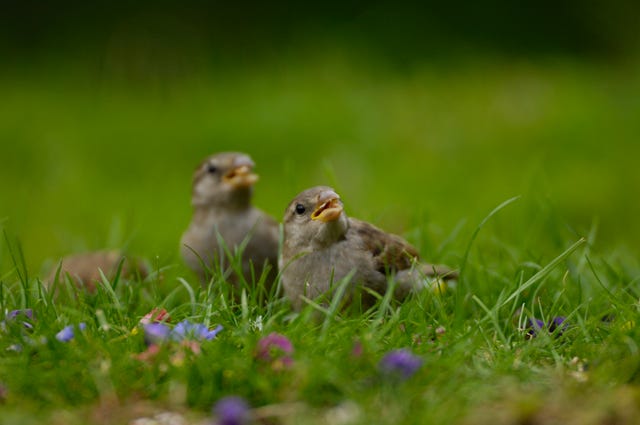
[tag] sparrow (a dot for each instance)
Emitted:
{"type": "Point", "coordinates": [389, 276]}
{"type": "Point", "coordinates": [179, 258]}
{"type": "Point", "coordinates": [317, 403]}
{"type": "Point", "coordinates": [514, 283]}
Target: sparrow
{"type": "Point", "coordinates": [224, 219]}
{"type": "Point", "coordinates": [322, 246]}
{"type": "Point", "coordinates": [84, 268]}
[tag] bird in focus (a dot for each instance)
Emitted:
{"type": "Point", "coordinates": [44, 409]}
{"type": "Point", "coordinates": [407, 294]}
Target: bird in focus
{"type": "Point", "coordinates": [224, 220]}
{"type": "Point", "coordinates": [322, 246]}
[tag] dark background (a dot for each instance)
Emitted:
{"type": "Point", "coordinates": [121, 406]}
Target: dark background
{"type": "Point", "coordinates": [400, 31]}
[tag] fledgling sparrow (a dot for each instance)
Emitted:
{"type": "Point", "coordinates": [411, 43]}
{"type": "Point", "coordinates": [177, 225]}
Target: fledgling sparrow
{"type": "Point", "coordinates": [322, 246]}
{"type": "Point", "coordinates": [224, 217]}
{"type": "Point", "coordinates": [84, 268]}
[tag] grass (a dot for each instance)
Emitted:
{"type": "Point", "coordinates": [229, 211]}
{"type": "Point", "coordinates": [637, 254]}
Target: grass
{"type": "Point", "coordinates": [478, 361]}
{"type": "Point", "coordinates": [436, 153]}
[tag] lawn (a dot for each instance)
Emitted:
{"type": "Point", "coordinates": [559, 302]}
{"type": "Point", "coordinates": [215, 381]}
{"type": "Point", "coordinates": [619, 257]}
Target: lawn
{"type": "Point", "coordinates": [519, 173]}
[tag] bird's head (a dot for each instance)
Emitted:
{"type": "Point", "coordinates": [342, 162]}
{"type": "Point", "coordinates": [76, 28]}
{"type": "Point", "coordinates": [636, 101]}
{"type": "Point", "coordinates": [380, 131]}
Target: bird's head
{"type": "Point", "coordinates": [224, 179]}
{"type": "Point", "coordinates": [315, 219]}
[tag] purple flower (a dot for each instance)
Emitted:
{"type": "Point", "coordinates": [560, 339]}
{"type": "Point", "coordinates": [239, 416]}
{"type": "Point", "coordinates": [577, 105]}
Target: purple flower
{"type": "Point", "coordinates": [402, 363]}
{"type": "Point", "coordinates": [232, 410]}
{"type": "Point", "coordinates": [558, 323]}
{"type": "Point", "coordinates": [27, 312]}
{"type": "Point", "coordinates": [156, 333]}
{"type": "Point", "coordinates": [533, 326]}
{"type": "Point", "coordinates": [198, 331]}
{"type": "Point", "coordinates": [67, 333]}
{"type": "Point", "coordinates": [275, 348]}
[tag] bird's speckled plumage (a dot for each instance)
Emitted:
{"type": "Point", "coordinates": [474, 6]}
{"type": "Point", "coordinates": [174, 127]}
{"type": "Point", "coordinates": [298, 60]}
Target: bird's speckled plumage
{"type": "Point", "coordinates": [221, 198]}
{"type": "Point", "coordinates": [322, 246]}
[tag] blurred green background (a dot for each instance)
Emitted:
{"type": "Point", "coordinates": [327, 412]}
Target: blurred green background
{"type": "Point", "coordinates": [423, 117]}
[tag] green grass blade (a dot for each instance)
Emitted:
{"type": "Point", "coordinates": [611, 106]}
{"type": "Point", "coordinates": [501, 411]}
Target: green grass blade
{"type": "Point", "coordinates": [495, 211]}
{"type": "Point", "coordinates": [544, 272]}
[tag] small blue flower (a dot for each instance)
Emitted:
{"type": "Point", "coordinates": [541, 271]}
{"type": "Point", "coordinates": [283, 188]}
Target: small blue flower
{"type": "Point", "coordinates": [184, 329]}
{"type": "Point", "coordinates": [402, 363]}
{"type": "Point", "coordinates": [156, 333]}
{"type": "Point", "coordinates": [67, 333]}
{"type": "Point", "coordinates": [198, 331]}
{"type": "Point", "coordinates": [232, 411]}
{"type": "Point", "coordinates": [27, 312]}
{"type": "Point", "coordinates": [211, 334]}
{"type": "Point", "coordinates": [13, 315]}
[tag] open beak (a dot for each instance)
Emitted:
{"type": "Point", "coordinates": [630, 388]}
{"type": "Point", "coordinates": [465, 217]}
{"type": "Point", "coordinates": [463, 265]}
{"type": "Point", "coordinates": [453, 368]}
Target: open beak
{"type": "Point", "coordinates": [241, 177]}
{"type": "Point", "coordinates": [328, 208]}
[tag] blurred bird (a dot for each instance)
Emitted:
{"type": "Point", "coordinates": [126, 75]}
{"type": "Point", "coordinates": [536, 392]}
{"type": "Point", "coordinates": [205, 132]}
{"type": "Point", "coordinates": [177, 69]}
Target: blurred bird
{"type": "Point", "coordinates": [223, 217]}
{"type": "Point", "coordinates": [322, 246]}
{"type": "Point", "coordinates": [84, 269]}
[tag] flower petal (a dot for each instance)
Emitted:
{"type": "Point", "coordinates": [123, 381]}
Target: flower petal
{"type": "Point", "coordinates": [232, 410]}
{"type": "Point", "coordinates": [402, 363]}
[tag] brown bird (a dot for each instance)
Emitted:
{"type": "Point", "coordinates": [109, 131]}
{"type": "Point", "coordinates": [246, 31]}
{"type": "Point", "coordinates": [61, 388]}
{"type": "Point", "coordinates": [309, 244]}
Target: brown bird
{"type": "Point", "coordinates": [84, 269]}
{"type": "Point", "coordinates": [322, 246]}
{"type": "Point", "coordinates": [223, 217]}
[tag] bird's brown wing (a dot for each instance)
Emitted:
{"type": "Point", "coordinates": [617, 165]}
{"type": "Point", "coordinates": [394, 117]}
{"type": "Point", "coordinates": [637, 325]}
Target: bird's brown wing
{"type": "Point", "coordinates": [390, 252]}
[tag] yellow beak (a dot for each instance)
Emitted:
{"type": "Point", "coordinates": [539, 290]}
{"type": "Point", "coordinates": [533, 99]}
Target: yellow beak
{"type": "Point", "coordinates": [328, 210]}
{"type": "Point", "coordinates": [241, 177]}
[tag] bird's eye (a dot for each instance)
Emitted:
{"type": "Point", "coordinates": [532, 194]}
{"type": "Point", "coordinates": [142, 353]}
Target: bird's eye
{"type": "Point", "coordinates": [300, 209]}
{"type": "Point", "coordinates": [212, 168]}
